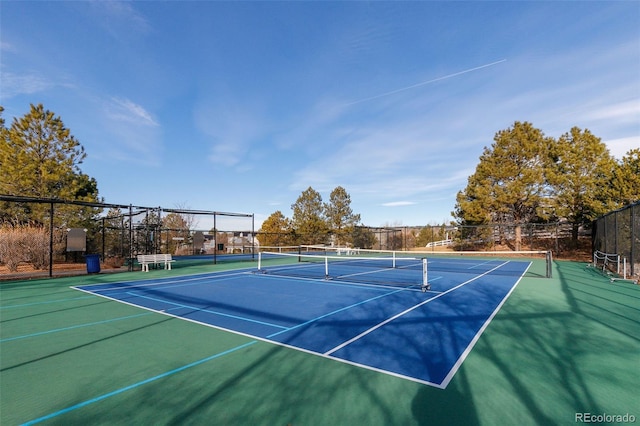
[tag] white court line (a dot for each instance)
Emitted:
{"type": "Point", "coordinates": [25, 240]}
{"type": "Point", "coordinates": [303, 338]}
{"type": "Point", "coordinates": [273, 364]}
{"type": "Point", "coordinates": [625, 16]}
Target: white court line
{"type": "Point", "coordinates": [159, 282]}
{"type": "Point", "coordinates": [467, 351]}
{"type": "Point", "coordinates": [388, 320]}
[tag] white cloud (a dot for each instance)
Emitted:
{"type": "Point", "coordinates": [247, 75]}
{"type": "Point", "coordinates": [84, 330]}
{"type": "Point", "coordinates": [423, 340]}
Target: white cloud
{"type": "Point", "coordinates": [232, 130]}
{"type": "Point", "coordinates": [621, 112]}
{"type": "Point", "coordinates": [120, 18]}
{"type": "Point", "coordinates": [133, 133]}
{"type": "Point", "coordinates": [5, 46]}
{"type": "Point", "coordinates": [227, 153]}
{"type": "Point", "coordinates": [322, 116]}
{"type": "Point", "coordinates": [401, 159]}
{"type": "Point", "coordinates": [122, 109]}
{"type": "Point", "coordinates": [23, 84]}
{"type": "Point", "coordinates": [619, 147]}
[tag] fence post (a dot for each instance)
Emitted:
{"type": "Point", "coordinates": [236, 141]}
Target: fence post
{"type": "Point", "coordinates": [215, 239]}
{"type": "Point", "coordinates": [616, 233]}
{"type": "Point", "coordinates": [632, 253]}
{"type": "Point", "coordinates": [130, 237]}
{"type": "Point", "coordinates": [51, 240]}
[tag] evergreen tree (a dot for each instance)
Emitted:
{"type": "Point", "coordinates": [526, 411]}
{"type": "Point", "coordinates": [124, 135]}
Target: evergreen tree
{"type": "Point", "coordinates": [429, 234]}
{"type": "Point", "coordinates": [276, 231]}
{"type": "Point", "coordinates": [626, 180]}
{"type": "Point", "coordinates": [39, 157]}
{"type": "Point", "coordinates": [363, 237]}
{"type": "Point", "coordinates": [579, 178]}
{"type": "Point", "coordinates": [340, 217]}
{"type": "Point", "coordinates": [3, 129]}
{"type": "Point", "coordinates": [508, 185]}
{"type": "Point", "coordinates": [308, 218]}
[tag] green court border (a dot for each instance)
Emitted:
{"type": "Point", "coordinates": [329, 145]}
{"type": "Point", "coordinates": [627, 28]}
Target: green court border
{"type": "Point", "coordinates": [557, 348]}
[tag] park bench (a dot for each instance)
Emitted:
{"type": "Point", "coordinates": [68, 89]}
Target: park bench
{"type": "Point", "coordinates": [154, 259]}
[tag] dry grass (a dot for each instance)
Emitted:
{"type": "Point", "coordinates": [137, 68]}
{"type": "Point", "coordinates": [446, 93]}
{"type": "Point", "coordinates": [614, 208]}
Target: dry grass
{"type": "Point", "coordinates": [24, 244]}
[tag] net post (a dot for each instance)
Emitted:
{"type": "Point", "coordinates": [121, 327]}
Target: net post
{"type": "Point", "coordinates": [326, 267]}
{"type": "Point", "coordinates": [549, 263]}
{"type": "Point", "coordinates": [394, 259]}
{"type": "Point", "coordinates": [259, 261]}
{"type": "Point", "coordinates": [425, 276]}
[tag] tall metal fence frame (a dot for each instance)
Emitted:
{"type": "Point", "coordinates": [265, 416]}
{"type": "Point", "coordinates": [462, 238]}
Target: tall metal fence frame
{"type": "Point", "coordinates": [553, 236]}
{"type": "Point", "coordinates": [618, 232]}
{"type": "Point", "coordinates": [131, 209]}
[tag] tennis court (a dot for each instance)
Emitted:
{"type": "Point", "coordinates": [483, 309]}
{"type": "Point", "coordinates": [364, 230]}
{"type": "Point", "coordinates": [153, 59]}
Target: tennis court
{"type": "Point", "coordinates": [490, 342]}
{"type": "Point", "coordinates": [395, 329]}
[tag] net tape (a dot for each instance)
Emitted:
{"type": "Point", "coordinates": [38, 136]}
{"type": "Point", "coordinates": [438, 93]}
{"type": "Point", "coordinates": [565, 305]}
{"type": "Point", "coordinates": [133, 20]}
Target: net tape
{"type": "Point", "coordinates": [406, 271]}
{"type": "Point", "coordinates": [450, 261]}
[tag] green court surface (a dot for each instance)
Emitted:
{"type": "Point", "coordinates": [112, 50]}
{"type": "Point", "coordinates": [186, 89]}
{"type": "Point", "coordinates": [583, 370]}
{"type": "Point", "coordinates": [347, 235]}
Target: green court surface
{"type": "Point", "coordinates": [558, 348]}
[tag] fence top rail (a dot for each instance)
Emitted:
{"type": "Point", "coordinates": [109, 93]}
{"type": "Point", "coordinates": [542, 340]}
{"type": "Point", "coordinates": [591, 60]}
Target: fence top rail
{"type": "Point", "coordinates": [207, 212]}
{"type": "Point", "coordinates": [22, 199]}
{"type": "Point", "coordinates": [621, 209]}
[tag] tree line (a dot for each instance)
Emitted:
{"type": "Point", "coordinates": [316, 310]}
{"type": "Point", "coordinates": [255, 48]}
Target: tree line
{"type": "Point", "coordinates": [523, 177]}
{"type": "Point", "coordinates": [316, 222]}
{"type": "Point", "coordinates": [528, 177]}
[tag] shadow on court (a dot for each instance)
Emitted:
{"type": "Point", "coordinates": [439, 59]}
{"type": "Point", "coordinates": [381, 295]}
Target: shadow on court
{"type": "Point", "coordinates": [557, 347]}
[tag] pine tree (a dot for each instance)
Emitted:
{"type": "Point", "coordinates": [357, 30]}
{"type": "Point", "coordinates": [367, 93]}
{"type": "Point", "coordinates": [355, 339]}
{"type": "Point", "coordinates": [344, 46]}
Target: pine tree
{"type": "Point", "coordinates": [508, 185]}
{"type": "Point", "coordinates": [276, 231]}
{"type": "Point", "coordinates": [39, 157]}
{"type": "Point", "coordinates": [363, 237]}
{"type": "Point", "coordinates": [340, 217]}
{"type": "Point", "coordinates": [308, 218]}
{"type": "Point", "coordinates": [626, 181]}
{"type": "Point", "coordinates": [579, 178]}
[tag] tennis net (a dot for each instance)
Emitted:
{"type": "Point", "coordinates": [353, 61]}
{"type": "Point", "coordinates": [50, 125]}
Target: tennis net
{"type": "Point", "coordinates": [472, 262]}
{"type": "Point", "coordinates": [376, 270]}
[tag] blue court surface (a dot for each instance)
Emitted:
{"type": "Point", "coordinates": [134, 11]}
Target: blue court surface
{"type": "Point", "coordinates": [397, 330]}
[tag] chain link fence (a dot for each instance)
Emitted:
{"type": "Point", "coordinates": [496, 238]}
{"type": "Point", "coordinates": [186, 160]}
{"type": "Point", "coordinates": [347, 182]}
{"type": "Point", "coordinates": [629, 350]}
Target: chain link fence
{"type": "Point", "coordinates": [38, 236]}
{"type": "Point", "coordinates": [556, 237]}
{"type": "Point", "coordinates": [618, 233]}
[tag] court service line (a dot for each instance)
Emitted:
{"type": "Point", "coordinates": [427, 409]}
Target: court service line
{"type": "Point", "coordinates": [161, 283]}
{"type": "Point", "coordinates": [335, 312]}
{"type": "Point", "coordinates": [180, 305]}
{"type": "Point", "coordinates": [388, 320]}
{"type": "Point", "coordinates": [329, 282]}
{"type": "Point", "coordinates": [212, 279]}
{"type": "Point", "coordinates": [137, 384]}
{"type": "Point", "coordinates": [373, 271]}
{"type": "Point", "coordinates": [477, 265]}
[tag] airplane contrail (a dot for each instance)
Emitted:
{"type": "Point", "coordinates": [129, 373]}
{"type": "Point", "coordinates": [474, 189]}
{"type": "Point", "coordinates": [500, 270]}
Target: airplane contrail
{"type": "Point", "coordinates": [427, 82]}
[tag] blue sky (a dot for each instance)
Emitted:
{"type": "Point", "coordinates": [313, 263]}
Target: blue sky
{"type": "Point", "coordinates": [241, 106]}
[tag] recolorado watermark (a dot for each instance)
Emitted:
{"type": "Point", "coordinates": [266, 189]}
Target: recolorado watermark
{"type": "Point", "coordinates": [604, 418]}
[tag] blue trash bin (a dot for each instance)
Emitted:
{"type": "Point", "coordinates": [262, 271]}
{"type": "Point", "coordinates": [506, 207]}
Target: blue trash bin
{"type": "Point", "coordinates": [93, 263]}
